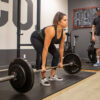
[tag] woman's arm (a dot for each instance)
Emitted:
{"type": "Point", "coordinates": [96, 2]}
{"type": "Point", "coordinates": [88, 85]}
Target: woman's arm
{"type": "Point", "coordinates": [61, 48]}
{"type": "Point", "coordinates": [49, 34]}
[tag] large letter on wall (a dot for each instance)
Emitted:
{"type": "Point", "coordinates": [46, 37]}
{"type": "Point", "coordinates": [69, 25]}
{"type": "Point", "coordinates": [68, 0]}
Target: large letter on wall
{"type": "Point", "coordinates": [3, 15]}
{"type": "Point", "coordinates": [29, 22]}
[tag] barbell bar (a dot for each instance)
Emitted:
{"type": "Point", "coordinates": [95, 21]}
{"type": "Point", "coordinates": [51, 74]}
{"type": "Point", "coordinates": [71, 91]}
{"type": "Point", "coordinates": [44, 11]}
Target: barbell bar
{"type": "Point", "coordinates": [52, 67]}
{"type": "Point", "coordinates": [69, 64]}
{"type": "Point", "coordinates": [6, 78]}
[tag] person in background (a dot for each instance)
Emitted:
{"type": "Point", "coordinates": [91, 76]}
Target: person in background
{"type": "Point", "coordinates": [96, 35]}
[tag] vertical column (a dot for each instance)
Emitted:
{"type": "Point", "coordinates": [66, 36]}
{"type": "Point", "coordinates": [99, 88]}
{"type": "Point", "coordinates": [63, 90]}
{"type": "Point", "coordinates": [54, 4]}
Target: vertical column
{"type": "Point", "coordinates": [38, 14]}
{"type": "Point", "coordinates": [18, 27]}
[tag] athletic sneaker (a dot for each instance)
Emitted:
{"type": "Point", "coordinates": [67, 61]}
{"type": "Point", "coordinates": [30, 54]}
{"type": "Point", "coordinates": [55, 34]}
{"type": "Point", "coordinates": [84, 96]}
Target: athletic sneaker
{"type": "Point", "coordinates": [45, 82]}
{"type": "Point", "coordinates": [96, 64]}
{"type": "Point", "coordinates": [55, 78]}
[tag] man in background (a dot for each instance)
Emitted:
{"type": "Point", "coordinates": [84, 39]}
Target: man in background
{"type": "Point", "coordinates": [96, 35]}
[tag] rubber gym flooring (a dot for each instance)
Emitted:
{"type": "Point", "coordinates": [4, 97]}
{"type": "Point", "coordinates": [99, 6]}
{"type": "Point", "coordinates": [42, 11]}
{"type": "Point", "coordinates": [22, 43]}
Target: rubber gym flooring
{"type": "Point", "coordinates": [39, 92]}
{"type": "Point", "coordinates": [89, 66]}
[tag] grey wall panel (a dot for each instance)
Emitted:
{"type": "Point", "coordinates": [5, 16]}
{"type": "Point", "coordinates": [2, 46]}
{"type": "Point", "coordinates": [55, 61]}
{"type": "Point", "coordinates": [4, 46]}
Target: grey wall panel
{"type": "Point", "coordinates": [6, 56]}
{"type": "Point", "coordinates": [31, 56]}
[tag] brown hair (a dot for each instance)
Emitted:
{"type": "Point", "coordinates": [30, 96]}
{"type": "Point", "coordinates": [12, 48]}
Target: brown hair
{"type": "Point", "coordinates": [58, 17]}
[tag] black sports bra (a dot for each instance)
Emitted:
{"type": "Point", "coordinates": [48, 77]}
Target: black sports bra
{"type": "Point", "coordinates": [54, 40]}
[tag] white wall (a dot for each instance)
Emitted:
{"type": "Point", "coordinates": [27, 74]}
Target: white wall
{"type": "Point", "coordinates": [8, 32]}
{"type": "Point", "coordinates": [49, 9]}
{"type": "Point", "coordinates": [27, 33]}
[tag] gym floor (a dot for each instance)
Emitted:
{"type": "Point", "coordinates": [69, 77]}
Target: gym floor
{"type": "Point", "coordinates": [80, 86]}
{"type": "Point", "coordinates": [87, 89]}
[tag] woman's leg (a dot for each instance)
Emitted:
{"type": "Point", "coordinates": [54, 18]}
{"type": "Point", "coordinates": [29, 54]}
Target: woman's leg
{"type": "Point", "coordinates": [38, 45]}
{"type": "Point", "coordinates": [55, 61]}
{"type": "Point", "coordinates": [53, 50]}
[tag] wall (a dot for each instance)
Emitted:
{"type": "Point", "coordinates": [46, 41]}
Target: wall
{"type": "Point", "coordinates": [84, 33]}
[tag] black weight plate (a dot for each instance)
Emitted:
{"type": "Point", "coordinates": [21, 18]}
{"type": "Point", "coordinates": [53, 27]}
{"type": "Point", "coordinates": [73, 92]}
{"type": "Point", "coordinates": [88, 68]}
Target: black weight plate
{"type": "Point", "coordinates": [29, 74]}
{"type": "Point", "coordinates": [76, 67]}
{"type": "Point", "coordinates": [19, 72]}
{"type": "Point", "coordinates": [92, 54]}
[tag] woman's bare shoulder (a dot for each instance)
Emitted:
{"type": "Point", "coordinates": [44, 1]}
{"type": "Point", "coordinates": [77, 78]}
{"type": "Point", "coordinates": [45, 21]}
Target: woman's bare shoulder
{"type": "Point", "coordinates": [50, 30]}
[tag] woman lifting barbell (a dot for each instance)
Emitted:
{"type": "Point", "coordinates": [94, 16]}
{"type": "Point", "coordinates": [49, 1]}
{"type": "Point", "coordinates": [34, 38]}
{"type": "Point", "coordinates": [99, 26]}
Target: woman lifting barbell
{"type": "Point", "coordinates": [43, 41]}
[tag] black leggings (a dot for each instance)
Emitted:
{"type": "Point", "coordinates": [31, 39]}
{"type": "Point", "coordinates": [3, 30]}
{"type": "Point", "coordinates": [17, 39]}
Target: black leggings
{"type": "Point", "coordinates": [38, 45]}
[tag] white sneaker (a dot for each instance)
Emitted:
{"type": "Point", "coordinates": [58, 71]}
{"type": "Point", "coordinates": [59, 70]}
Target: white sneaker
{"type": "Point", "coordinates": [45, 82]}
{"type": "Point", "coordinates": [55, 78]}
{"type": "Point", "coordinates": [96, 64]}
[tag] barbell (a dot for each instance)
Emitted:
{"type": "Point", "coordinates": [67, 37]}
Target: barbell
{"type": "Point", "coordinates": [21, 74]}
{"type": "Point", "coordinates": [71, 64]}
